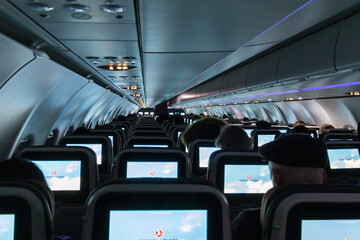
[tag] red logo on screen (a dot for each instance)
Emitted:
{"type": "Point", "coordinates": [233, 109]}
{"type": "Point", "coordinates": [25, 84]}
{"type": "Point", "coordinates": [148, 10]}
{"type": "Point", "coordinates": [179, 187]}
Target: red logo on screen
{"type": "Point", "coordinates": [152, 174]}
{"type": "Point", "coordinates": [53, 173]}
{"type": "Point", "coordinates": [344, 158]}
{"type": "Point", "coordinates": [347, 239]}
{"type": "Point", "coordinates": [248, 176]}
{"type": "Point", "coordinates": [158, 233]}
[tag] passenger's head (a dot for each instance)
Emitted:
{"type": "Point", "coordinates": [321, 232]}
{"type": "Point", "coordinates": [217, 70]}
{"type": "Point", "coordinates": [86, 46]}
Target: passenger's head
{"type": "Point", "coordinates": [233, 138]}
{"type": "Point", "coordinates": [81, 131]}
{"type": "Point", "coordinates": [263, 125]}
{"type": "Point", "coordinates": [162, 117]}
{"type": "Point", "coordinates": [325, 127]}
{"type": "Point", "coordinates": [297, 123]}
{"type": "Point", "coordinates": [121, 118]}
{"type": "Point", "coordinates": [178, 120]}
{"type": "Point", "coordinates": [206, 128]}
{"type": "Point", "coordinates": [300, 129]}
{"type": "Point", "coordinates": [295, 159]}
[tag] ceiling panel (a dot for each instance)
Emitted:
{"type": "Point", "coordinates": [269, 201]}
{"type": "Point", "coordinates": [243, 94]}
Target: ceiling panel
{"type": "Point", "coordinates": [212, 25]}
{"type": "Point", "coordinates": [164, 73]}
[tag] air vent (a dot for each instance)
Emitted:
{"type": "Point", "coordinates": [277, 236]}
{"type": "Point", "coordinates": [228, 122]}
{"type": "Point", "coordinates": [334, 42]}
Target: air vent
{"type": "Point", "coordinates": [92, 57]}
{"type": "Point", "coordinates": [111, 58]}
{"type": "Point", "coordinates": [40, 7]}
{"type": "Point", "coordinates": [75, 7]}
{"type": "Point", "coordinates": [112, 8]}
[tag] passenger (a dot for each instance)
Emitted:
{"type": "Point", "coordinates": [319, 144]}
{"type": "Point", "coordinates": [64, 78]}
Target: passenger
{"type": "Point", "coordinates": [293, 159]}
{"type": "Point", "coordinates": [178, 120]}
{"type": "Point", "coordinates": [325, 127]}
{"type": "Point", "coordinates": [205, 128]}
{"type": "Point", "coordinates": [121, 118]}
{"type": "Point", "coordinates": [234, 138]}
{"type": "Point", "coordinates": [162, 117]}
{"type": "Point", "coordinates": [300, 129]}
{"type": "Point", "coordinates": [263, 125]}
{"type": "Point", "coordinates": [297, 123]}
{"type": "Point", "coordinates": [81, 131]}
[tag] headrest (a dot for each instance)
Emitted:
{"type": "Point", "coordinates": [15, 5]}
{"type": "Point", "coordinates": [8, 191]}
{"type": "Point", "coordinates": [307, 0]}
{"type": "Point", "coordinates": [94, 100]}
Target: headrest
{"type": "Point", "coordinates": [296, 151]}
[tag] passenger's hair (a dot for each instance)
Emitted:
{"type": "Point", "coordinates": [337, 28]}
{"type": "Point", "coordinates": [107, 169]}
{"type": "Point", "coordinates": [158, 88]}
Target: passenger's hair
{"type": "Point", "coordinates": [245, 119]}
{"type": "Point", "coordinates": [21, 169]}
{"type": "Point", "coordinates": [300, 129]}
{"type": "Point", "coordinates": [178, 120]}
{"type": "Point", "coordinates": [161, 118]}
{"type": "Point", "coordinates": [206, 128]}
{"type": "Point", "coordinates": [81, 131]}
{"type": "Point", "coordinates": [233, 138]}
{"type": "Point", "coordinates": [263, 125]}
{"type": "Point", "coordinates": [324, 127]}
{"type": "Point", "coordinates": [298, 175]}
{"type": "Point", "coordinates": [120, 118]}
{"type": "Point", "coordinates": [297, 123]}
{"type": "Point", "coordinates": [225, 116]}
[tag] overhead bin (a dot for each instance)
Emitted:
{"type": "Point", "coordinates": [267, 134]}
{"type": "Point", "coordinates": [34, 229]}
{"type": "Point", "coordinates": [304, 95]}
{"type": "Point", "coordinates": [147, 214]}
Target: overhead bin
{"type": "Point", "coordinates": [235, 80]}
{"type": "Point", "coordinates": [347, 48]}
{"type": "Point", "coordinates": [12, 58]}
{"type": "Point", "coordinates": [215, 87]}
{"type": "Point", "coordinates": [263, 70]}
{"type": "Point", "coordinates": [312, 55]}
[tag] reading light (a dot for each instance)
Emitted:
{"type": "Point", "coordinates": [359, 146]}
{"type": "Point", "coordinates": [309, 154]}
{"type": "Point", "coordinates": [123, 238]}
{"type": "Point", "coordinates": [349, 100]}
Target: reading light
{"type": "Point", "coordinates": [354, 93]}
{"type": "Point", "coordinates": [112, 8]}
{"type": "Point", "coordinates": [289, 99]}
{"type": "Point", "coordinates": [40, 7]}
{"type": "Point", "coordinates": [111, 67]}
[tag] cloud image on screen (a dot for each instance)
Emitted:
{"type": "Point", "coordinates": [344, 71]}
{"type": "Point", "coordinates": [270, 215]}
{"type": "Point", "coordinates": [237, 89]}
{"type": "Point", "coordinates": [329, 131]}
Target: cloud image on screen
{"type": "Point", "coordinates": [97, 148]}
{"type": "Point", "coordinates": [204, 155]}
{"type": "Point", "coordinates": [263, 139]}
{"type": "Point", "coordinates": [152, 169]}
{"type": "Point", "coordinates": [248, 131]}
{"type": "Point", "coordinates": [61, 175]}
{"type": "Point", "coordinates": [158, 224]}
{"type": "Point", "coordinates": [247, 179]}
{"type": "Point", "coordinates": [344, 229]}
{"type": "Point", "coordinates": [7, 226]}
{"type": "Point", "coordinates": [344, 158]}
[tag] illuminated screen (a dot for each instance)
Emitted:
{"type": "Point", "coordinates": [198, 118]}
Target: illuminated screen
{"type": "Point", "coordinates": [112, 140]}
{"type": "Point", "coordinates": [123, 129]}
{"type": "Point", "coordinates": [97, 148]}
{"type": "Point", "coordinates": [152, 169]}
{"type": "Point", "coordinates": [150, 146]}
{"type": "Point", "coordinates": [7, 226]}
{"type": "Point", "coordinates": [179, 133]}
{"type": "Point", "coordinates": [171, 113]}
{"type": "Point", "coordinates": [61, 175]}
{"type": "Point", "coordinates": [265, 138]}
{"type": "Point", "coordinates": [343, 229]}
{"type": "Point", "coordinates": [182, 114]}
{"type": "Point", "coordinates": [204, 155]}
{"type": "Point", "coordinates": [338, 139]}
{"type": "Point", "coordinates": [147, 113]}
{"type": "Point", "coordinates": [248, 131]}
{"type": "Point", "coordinates": [141, 113]}
{"type": "Point", "coordinates": [282, 130]}
{"type": "Point", "coordinates": [247, 179]}
{"type": "Point", "coordinates": [158, 224]}
{"type": "Point", "coordinates": [344, 158]}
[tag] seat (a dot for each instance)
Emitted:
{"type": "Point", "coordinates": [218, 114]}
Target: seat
{"type": "Point", "coordinates": [71, 173]}
{"type": "Point", "coordinates": [102, 148]}
{"type": "Point", "coordinates": [24, 212]}
{"type": "Point", "coordinates": [199, 154]}
{"type": "Point", "coordinates": [242, 176]}
{"type": "Point", "coordinates": [334, 136]}
{"type": "Point", "coordinates": [264, 136]}
{"type": "Point", "coordinates": [176, 132]}
{"type": "Point", "coordinates": [124, 126]}
{"type": "Point", "coordinates": [136, 142]}
{"type": "Point", "coordinates": [156, 209]}
{"type": "Point", "coordinates": [344, 162]}
{"type": "Point", "coordinates": [141, 163]}
{"type": "Point", "coordinates": [115, 138]}
{"type": "Point", "coordinates": [301, 212]}
{"type": "Point", "coordinates": [149, 133]}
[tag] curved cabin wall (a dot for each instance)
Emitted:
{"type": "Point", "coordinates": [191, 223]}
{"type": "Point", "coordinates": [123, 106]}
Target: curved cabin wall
{"type": "Point", "coordinates": [39, 96]}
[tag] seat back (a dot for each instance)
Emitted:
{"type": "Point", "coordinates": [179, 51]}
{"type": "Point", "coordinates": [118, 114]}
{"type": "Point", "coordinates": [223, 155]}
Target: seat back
{"type": "Point", "coordinates": [301, 212]}
{"type": "Point", "coordinates": [115, 138]}
{"type": "Point", "coordinates": [156, 209]}
{"type": "Point", "coordinates": [176, 132]}
{"type": "Point", "coordinates": [149, 142]}
{"type": "Point", "coordinates": [199, 154]}
{"type": "Point", "coordinates": [149, 133]}
{"type": "Point", "coordinates": [146, 163]}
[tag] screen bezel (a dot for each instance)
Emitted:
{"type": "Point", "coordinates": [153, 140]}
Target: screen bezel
{"type": "Point", "coordinates": [346, 171]}
{"type": "Point", "coordinates": [264, 134]}
{"type": "Point", "coordinates": [175, 201]}
{"type": "Point", "coordinates": [197, 170]}
{"type": "Point", "coordinates": [67, 197]}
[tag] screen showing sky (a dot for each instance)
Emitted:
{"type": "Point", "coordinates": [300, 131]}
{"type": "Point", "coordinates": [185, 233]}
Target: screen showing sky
{"type": "Point", "coordinates": [152, 169]}
{"type": "Point", "coordinates": [179, 133]}
{"type": "Point", "coordinates": [265, 138]}
{"type": "Point", "coordinates": [344, 158]}
{"type": "Point", "coordinates": [150, 146]}
{"type": "Point", "coordinates": [158, 224]}
{"type": "Point", "coordinates": [7, 226]}
{"type": "Point", "coordinates": [112, 140]}
{"type": "Point", "coordinates": [248, 131]}
{"type": "Point", "coordinates": [97, 148]}
{"type": "Point", "coordinates": [330, 229]}
{"type": "Point", "coordinates": [247, 179]}
{"type": "Point", "coordinates": [204, 155]}
{"type": "Point", "coordinates": [61, 175]}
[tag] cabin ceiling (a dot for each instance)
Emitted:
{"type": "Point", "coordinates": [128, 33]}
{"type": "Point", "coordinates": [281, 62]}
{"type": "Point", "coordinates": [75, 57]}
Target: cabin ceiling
{"type": "Point", "coordinates": [182, 43]}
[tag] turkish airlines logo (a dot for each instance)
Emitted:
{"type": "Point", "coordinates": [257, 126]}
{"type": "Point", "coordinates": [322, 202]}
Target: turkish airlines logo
{"type": "Point", "coordinates": [53, 173]}
{"type": "Point", "coordinates": [158, 233]}
{"type": "Point", "coordinates": [248, 176]}
{"type": "Point", "coordinates": [152, 174]}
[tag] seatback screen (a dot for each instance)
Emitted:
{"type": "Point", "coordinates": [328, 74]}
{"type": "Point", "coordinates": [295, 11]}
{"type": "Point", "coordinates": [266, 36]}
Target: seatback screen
{"type": "Point", "coordinates": [247, 179]}
{"type": "Point", "coordinates": [61, 175]}
{"type": "Point", "coordinates": [150, 146]}
{"type": "Point", "coordinates": [112, 140]}
{"type": "Point", "coordinates": [7, 226]}
{"type": "Point", "coordinates": [158, 224]}
{"type": "Point", "coordinates": [96, 147]}
{"type": "Point", "coordinates": [248, 131]}
{"type": "Point", "coordinates": [152, 169]}
{"type": "Point", "coordinates": [344, 158]}
{"type": "Point", "coordinates": [265, 138]}
{"type": "Point", "coordinates": [204, 155]}
{"type": "Point", "coordinates": [344, 229]}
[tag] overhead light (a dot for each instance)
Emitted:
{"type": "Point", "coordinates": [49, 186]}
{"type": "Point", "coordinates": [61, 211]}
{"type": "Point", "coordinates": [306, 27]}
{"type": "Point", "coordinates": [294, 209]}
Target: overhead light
{"type": "Point", "coordinates": [269, 99]}
{"type": "Point", "coordinates": [40, 7]}
{"type": "Point", "coordinates": [112, 8]}
{"type": "Point", "coordinates": [289, 99]}
{"type": "Point", "coordinates": [354, 93]}
{"type": "Point", "coordinates": [76, 7]}
{"type": "Point", "coordinates": [300, 98]}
